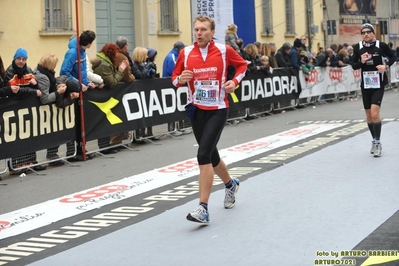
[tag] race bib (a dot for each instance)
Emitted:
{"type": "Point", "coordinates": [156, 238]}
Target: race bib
{"type": "Point", "coordinates": [371, 80]}
{"type": "Point", "coordinates": [206, 92]}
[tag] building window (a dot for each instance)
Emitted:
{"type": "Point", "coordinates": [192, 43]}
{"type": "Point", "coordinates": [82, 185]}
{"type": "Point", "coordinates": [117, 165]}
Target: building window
{"type": "Point", "coordinates": [169, 20]}
{"type": "Point", "coordinates": [289, 17]}
{"type": "Point", "coordinates": [58, 15]}
{"type": "Point", "coordinates": [267, 13]}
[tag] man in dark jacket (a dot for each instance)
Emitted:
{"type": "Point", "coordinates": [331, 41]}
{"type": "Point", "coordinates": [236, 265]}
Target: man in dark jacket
{"type": "Point", "coordinates": [282, 56]}
{"type": "Point", "coordinates": [294, 54]}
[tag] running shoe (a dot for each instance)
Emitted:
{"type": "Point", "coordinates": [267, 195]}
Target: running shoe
{"type": "Point", "coordinates": [378, 150]}
{"type": "Point", "coordinates": [199, 215]}
{"type": "Point", "coordinates": [372, 147]}
{"type": "Point", "coordinates": [230, 194]}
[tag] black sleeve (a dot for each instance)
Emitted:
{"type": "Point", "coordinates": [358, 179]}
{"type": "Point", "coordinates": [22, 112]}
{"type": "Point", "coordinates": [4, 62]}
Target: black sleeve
{"type": "Point", "coordinates": [139, 71]}
{"type": "Point", "coordinates": [5, 91]}
{"type": "Point", "coordinates": [280, 60]}
{"type": "Point", "coordinates": [356, 63]}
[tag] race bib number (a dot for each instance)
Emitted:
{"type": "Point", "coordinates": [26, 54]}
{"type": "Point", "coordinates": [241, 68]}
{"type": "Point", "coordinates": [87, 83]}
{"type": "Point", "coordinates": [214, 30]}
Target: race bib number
{"type": "Point", "coordinates": [206, 92]}
{"type": "Point", "coordinates": [371, 80]}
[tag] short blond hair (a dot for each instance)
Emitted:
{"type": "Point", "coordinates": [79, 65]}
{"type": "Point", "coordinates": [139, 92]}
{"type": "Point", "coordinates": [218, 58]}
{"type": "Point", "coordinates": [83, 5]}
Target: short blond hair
{"type": "Point", "coordinates": [202, 18]}
{"type": "Point", "coordinates": [48, 61]}
{"type": "Point", "coordinates": [264, 58]}
{"type": "Point", "coordinates": [139, 54]}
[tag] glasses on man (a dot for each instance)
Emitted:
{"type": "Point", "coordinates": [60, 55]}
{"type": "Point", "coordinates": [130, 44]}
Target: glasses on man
{"type": "Point", "coordinates": [366, 32]}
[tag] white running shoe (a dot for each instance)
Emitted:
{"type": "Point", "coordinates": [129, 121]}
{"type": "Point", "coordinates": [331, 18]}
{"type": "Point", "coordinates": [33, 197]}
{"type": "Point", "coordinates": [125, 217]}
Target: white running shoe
{"type": "Point", "coordinates": [378, 150]}
{"type": "Point", "coordinates": [199, 215]}
{"type": "Point", "coordinates": [230, 194]}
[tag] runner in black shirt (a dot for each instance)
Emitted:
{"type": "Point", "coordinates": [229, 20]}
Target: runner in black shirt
{"type": "Point", "coordinates": [369, 56]}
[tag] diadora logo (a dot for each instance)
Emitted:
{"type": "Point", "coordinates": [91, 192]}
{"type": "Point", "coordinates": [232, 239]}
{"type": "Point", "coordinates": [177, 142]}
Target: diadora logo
{"type": "Point", "coordinates": [268, 87]}
{"type": "Point", "coordinates": [106, 109]}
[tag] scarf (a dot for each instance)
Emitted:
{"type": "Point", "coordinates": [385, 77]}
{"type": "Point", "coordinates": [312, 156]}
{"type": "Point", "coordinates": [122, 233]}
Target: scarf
{"type": "Point", "coordinates": [369, 44]}
{"type": "Point", "coordinates": [20, 71]}
{"type": "Point", "coordinates": [50, 74]}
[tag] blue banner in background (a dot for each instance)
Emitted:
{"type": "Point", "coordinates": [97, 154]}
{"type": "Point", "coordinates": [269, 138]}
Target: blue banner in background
{"type": "Point", "coordinates": [244, 18]}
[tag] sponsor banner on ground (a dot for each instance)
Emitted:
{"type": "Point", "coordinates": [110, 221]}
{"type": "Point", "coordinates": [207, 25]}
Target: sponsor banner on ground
{"type": "Point", "coordinates": [36, 216]}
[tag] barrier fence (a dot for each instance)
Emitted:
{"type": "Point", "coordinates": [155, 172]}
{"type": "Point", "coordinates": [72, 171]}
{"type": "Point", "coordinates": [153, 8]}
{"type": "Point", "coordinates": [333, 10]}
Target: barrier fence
{"type": "Point", "coordinates": [112, 116]}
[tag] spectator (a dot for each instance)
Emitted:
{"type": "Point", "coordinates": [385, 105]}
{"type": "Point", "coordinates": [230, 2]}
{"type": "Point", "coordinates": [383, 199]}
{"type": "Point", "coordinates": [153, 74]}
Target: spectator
{"type": "Point", "coordinates": [140, 71]}
{"type": "Point", "coordinates": [343, 58]}
{"type": "Point", "coordinates": [94, 78]}
{"type": "Point", "coordinates": [251, 55]}
{"type": "Point", "coordinates": [321, 50]}
{"type": "Point", "coordinates": [231, 37]}
{"type": "Point", "coordinates": [283, 57]}
{"type": "Point", "coordinates": [11, 91]}
{"type": "Point", "coordinates": [170, 60]}
{"type": "Point", "coordinates": [332, 59]}
{"type": "Point", "coordinates": [52, 89]}
{"type": "Point", "coordinates": [303, 43]}
{"type": "Point", "coordinates": [272, 56]}
{"type": "Point", "coordinates": [6, 91]}
{"type": "Point", "coordinates": [306, 63]}
{"type": "Point", "coordinates": [168, 65]}
{"type": "Point", "coordinates": [349, 50]}
{"type": "Point", "coordinates": [152, 66]}
{"type": "Point", "coordinates": [294, 54]}
{"type": "Point", "coordinates": [264, 49]}
{"type": "Point", "coordinates": [69, 68]}
{"type": "Point", "coordinates": [123, 45]}
{"type": "Point", "coordinates": [104, 65]}
{"type": "Point", "coordinates": [265, 67]}
{"type": "Point", "coordinates": [21, 75]}
{"type": "Point", "coordinates": [240, 43]}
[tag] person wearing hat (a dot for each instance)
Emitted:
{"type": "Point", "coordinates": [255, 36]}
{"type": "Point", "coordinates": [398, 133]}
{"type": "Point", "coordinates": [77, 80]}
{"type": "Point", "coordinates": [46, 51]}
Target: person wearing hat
{"type": "Point", "coordinates": [294, 54]}
{"type": "Point", "coordinates": [170, 59]}
{"type": "Point", "coordinates": [167, 69]}
{"type": "Point", "coordinates": [368, 57]}
{"type": "Point", "coordinates": [21, 75]}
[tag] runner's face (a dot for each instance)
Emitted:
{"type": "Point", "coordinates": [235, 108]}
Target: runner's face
{"type": "Point", "coordinates": [203, 33]}
{"type": "Point", "coordinates": [367, 35]}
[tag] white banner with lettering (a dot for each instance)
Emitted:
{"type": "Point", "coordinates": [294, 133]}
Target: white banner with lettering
{"type": "Point", "coordinates": [394, 71]}
{"type": "Point", "coordinates": [329, 80]}
{"type": "Point", "coordinates": [220, 10]}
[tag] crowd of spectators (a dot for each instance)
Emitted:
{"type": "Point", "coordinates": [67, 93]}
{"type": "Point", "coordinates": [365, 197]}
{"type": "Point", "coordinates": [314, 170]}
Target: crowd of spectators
{"type": "Point", "coordinates": [113, 64]}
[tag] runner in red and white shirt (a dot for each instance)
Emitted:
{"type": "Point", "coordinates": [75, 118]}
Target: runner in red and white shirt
{"type": "Point", "coordinates": [203, 68]}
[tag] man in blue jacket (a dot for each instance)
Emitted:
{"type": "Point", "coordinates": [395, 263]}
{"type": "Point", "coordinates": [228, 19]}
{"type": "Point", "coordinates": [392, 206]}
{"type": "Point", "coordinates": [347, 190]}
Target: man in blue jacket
{"type": "Point", "coordinates": [69, 66]}
{"type": "Point", "coordinates": [170, 59]}
{"type": "Point", "coordinates": [168, 65]}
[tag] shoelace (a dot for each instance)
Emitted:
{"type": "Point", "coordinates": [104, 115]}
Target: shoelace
{"type": "Point", "coordinates": [230, 191]}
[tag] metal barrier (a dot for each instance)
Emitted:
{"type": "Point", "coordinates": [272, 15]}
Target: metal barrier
{"type": "Point", "coordinates": [236, 115]}
{"type": "Point", "coordinates": [36, 161]}
{"type": "Point", "coordinates": [3, 166]}
{"type": "Point", "coordinates": [259, 110]}
{"type": "Point", "coordinates": [285, 105]}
